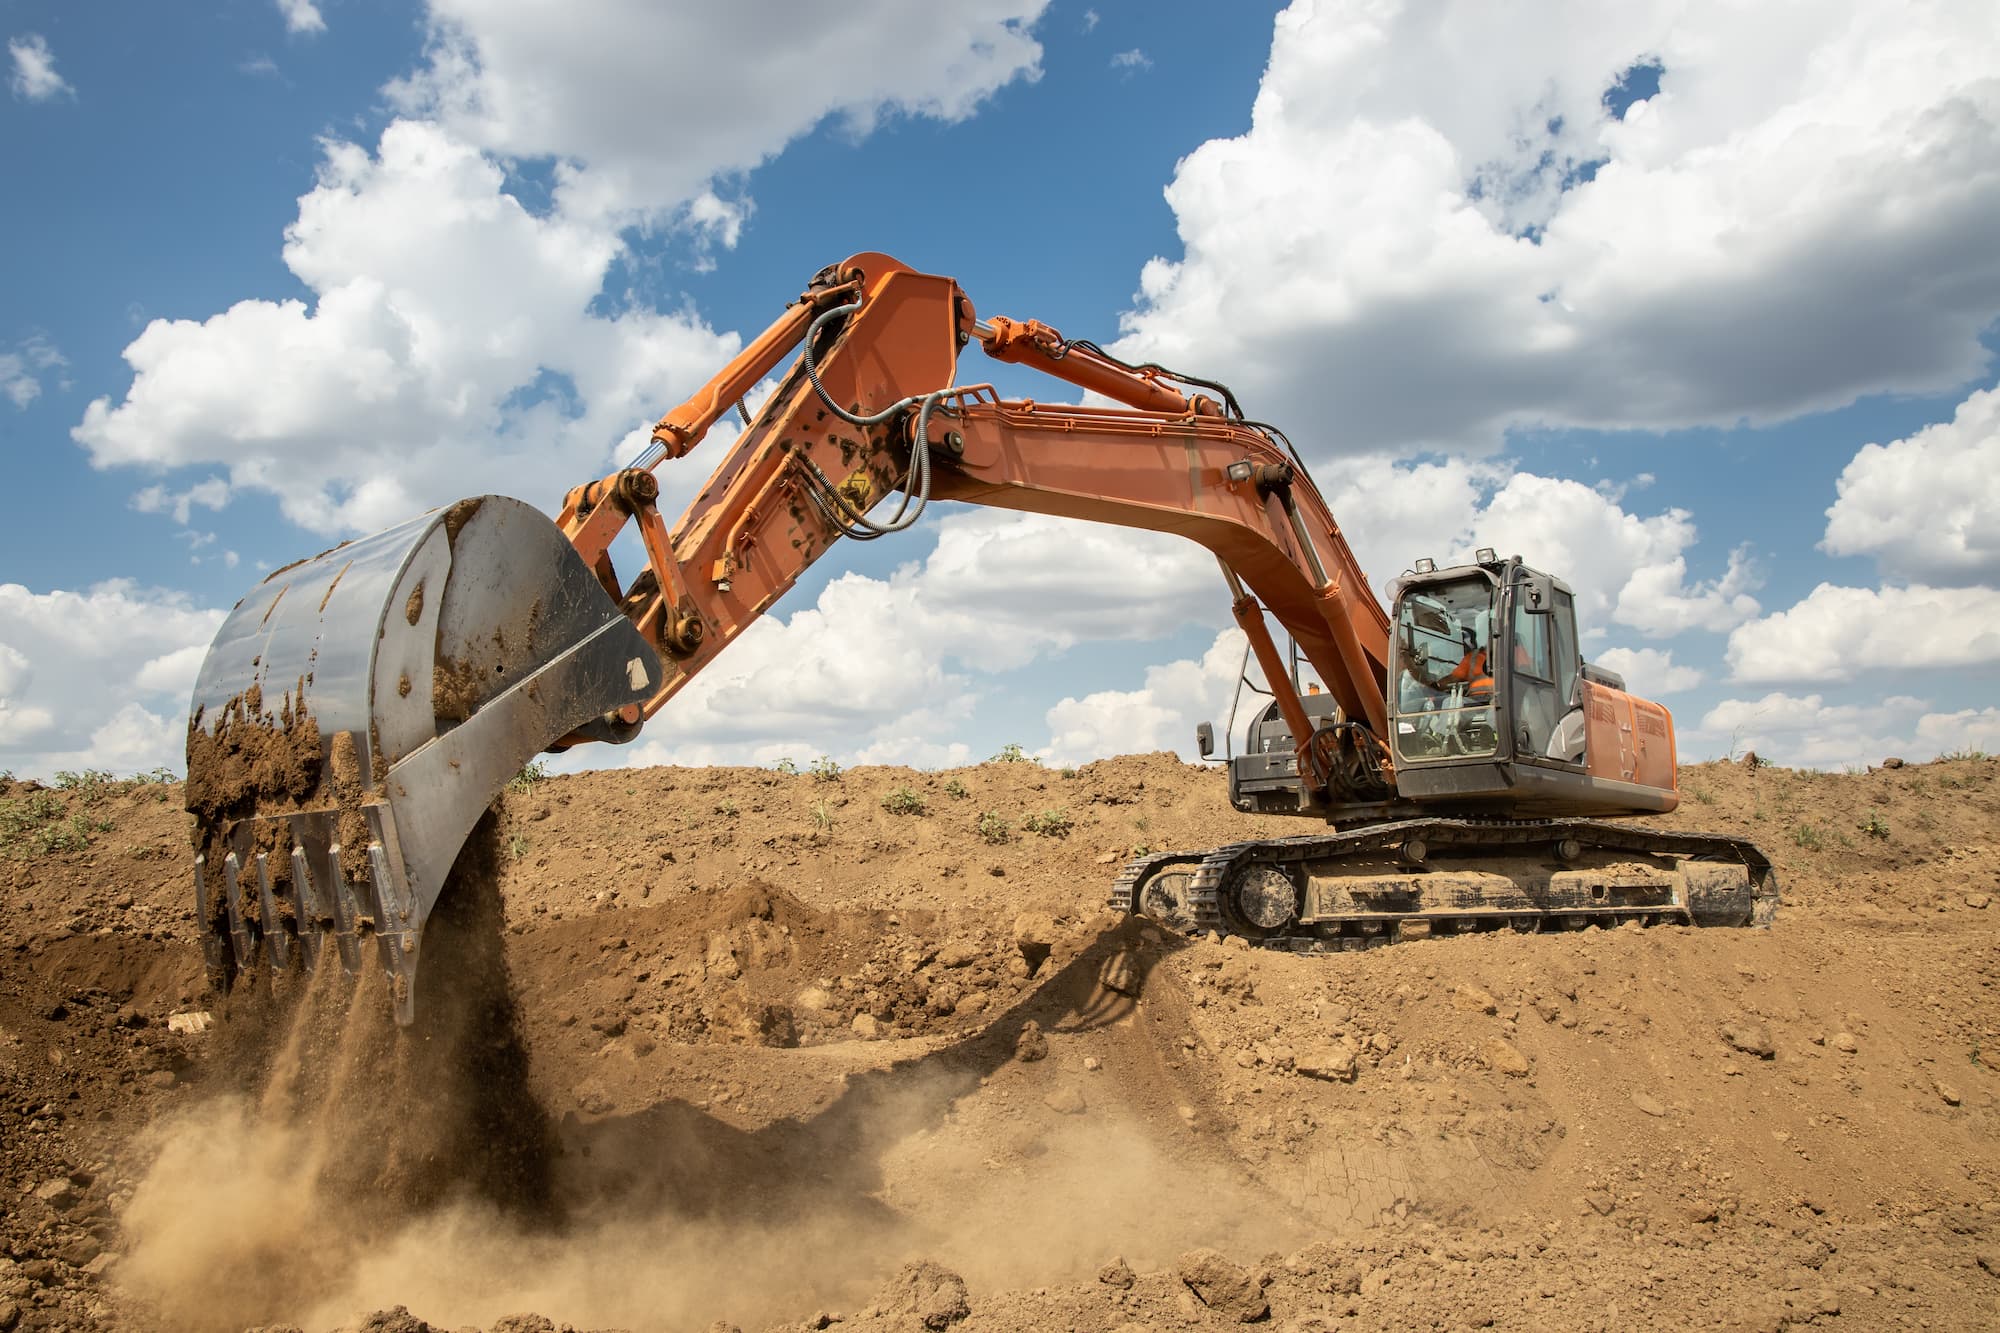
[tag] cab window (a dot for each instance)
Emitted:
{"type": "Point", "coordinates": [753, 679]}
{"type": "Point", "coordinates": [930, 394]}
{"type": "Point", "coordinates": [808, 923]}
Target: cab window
{"type": "Point", "coordinates": [1564, 627]}
{"type": "Point", "coordinates": [1531, 641]}
{"type": "Point", "coordinates": [1443, 696]}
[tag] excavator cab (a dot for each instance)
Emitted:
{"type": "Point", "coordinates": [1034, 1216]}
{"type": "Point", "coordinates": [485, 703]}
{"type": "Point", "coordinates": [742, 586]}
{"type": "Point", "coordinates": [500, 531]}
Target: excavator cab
{"type": "Point", "coordinates": [1490, 708]}
{"type": "Point", "coordinates": [1491, 703]}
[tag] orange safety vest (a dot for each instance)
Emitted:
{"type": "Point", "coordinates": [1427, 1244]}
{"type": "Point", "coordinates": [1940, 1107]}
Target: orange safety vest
{"type": "Point", "coordinates": [1473, 673]}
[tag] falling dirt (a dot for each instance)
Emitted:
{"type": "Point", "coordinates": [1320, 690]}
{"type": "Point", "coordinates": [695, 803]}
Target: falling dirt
{"type": "Point", "coordinates": [732, 1045]}
{"type": "Point", "coordinates": [340, 1129]}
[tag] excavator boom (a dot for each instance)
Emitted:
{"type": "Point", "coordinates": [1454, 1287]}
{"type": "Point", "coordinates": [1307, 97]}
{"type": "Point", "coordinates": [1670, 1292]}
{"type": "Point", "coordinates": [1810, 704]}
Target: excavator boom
{"type": "Point", "coordinates": [360, 709]}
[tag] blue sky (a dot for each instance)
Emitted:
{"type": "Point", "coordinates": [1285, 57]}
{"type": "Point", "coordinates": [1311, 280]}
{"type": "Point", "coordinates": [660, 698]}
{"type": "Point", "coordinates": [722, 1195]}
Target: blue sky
{"type": "Point", "coordinates": [1629, 294]}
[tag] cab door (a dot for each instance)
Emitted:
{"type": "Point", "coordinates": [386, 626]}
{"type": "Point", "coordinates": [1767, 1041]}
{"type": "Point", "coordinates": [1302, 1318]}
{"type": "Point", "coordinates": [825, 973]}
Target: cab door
{"type": "Point", "coordinates": [1543, 657]}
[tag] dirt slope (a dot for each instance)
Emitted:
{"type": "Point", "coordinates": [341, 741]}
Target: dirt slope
{"type": "Point", "coordinates": [792, 1036]}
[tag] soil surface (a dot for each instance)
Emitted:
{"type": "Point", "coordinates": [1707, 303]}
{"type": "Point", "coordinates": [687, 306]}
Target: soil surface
{"type": "Point", "coordinates": [734, 1048]}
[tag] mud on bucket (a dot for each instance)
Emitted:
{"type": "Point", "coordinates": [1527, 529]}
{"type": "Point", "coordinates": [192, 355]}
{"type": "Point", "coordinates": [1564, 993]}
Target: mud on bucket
{"type": "Point", "coordinates": [357, 712]}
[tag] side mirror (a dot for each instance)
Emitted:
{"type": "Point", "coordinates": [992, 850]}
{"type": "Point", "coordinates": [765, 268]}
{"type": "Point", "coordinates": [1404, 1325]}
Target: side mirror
{"type": "Point", "coordinates": [1204, 739]}
{"type": "Point", "coordinates": [1536, 594]}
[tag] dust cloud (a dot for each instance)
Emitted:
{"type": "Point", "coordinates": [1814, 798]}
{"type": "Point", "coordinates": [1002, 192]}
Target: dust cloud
{"type": "Point", "coordinates": [352, 1165]}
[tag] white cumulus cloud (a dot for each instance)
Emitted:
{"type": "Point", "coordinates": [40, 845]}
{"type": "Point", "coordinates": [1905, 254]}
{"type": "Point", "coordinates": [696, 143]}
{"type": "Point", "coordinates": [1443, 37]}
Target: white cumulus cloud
{"type": "Point", "coordinates": [1954, 733]}
{"type": "Point", "coordinates": [645, 103]}
{"type": "Point", "coordinates": [21, 369]}
{"type": "Point", "coordinates": [1927, 507]}
{"type": "Point", "coordinates": [1435, 223]}
{"type": "Point", "coordinates": [1835, 633]}
{"type": "Point", "coordinates": [1809, 731]}
{"type": "Point", "coordinates": [451, 347]}
{"type": "Point", "coordinates": [98, 678]}
{"type": "Point", "coordinates": [34, 78]}
{"type": "Point", "coordinates": [212, 493]}
{"type": "Point", "coordinates": [301, 16]}
{"type": "Point", "coordinates": [1161, 714]}
{"type": "Point", "coordinates": [1649, 671]}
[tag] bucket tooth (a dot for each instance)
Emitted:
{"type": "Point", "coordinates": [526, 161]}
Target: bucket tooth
{"type": "Point", "coordinates": [397, 931]}
{"type": "Point", "coordinates": [239, 928]}
{"type": "Point", "coordinates": [311, 915]}
{"type": "Point", "coordinates": [277, 943]}
{"type": "Point", "coordinates": [393, 910]}
{"type": "Point", "coordinates": [214, 944]}
{"type": "Point", "coordinates": [346, 915]}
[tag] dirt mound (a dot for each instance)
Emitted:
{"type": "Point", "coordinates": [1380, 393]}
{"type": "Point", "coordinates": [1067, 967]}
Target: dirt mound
{"type": "Point", "coordinates": [775, 1049]}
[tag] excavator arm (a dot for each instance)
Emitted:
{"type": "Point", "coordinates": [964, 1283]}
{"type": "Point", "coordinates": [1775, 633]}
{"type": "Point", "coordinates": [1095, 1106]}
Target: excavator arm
{"type": "Point", "coordinates": [872, 408]}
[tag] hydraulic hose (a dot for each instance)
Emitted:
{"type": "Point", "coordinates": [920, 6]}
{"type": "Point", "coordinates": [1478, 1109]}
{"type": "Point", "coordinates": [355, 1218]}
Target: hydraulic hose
{"type": "Point", "coordinates": [852, 522]}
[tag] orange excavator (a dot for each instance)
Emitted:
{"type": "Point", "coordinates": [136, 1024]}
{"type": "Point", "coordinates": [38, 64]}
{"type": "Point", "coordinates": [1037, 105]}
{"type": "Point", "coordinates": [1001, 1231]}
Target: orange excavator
{"type": "Point", "coordinates": [358, 711]}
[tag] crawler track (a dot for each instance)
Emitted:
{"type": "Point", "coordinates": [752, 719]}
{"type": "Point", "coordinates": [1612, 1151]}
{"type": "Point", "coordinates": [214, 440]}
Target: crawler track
{"type": "Point", "coordinates": [1464, 876]}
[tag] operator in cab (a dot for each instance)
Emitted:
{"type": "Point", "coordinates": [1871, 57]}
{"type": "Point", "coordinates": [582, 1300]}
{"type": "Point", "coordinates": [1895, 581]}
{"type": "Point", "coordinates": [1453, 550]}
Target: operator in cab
{"type": "Point", "coordinates": [1473, 669]}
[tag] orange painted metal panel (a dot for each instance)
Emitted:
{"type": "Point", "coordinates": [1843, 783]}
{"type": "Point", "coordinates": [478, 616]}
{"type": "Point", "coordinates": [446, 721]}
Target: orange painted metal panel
{"type": "Point", "coordinates": [1628, 739]}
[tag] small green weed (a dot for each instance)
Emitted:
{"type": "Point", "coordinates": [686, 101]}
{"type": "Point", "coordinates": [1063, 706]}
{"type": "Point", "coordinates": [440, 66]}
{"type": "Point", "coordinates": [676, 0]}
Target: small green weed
{"type": "Point", "coordinates": [1874, 826]}
{"type": "Point", "coordinates": [1010, 753]}
{"type": "Point", "coordinates": [1702, 795]}
{"type": "Point", "coordinates": [1808, 837]}
{"type": "Point", "coordinates": [535, 770]}
{"type": "Point", "coordinates": [993, 827]}
{"type": "Point", "coordinates": [42, 822]}
{"type": "Point", "coordinates": [90, 786]}
{"type": "Point", "coordinates": [824, 769]}
{"type": "Point", "coordinates": [822, 817]}
{"type": "Point", "coordinates": [787, 766]}
{"type": "Point", "coordinates": [903, 801]}
{"type": "Point", "coordinates": [726, 806]}
{"type": "Point", "coordinates": [956, 790]}
{"type": "Point", "coordinates": [1054, 823]}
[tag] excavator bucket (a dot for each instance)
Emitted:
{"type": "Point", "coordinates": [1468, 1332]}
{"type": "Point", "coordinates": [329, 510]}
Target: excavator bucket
{"type": "Point", "coordinates": [357, 712]}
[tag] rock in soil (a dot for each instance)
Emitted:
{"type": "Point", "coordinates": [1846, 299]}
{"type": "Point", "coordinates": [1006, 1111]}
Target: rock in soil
{"type": "Point", "coordinates": [924, 1294]}
{"type": "Point", "coordinates": [1228, 1289]}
